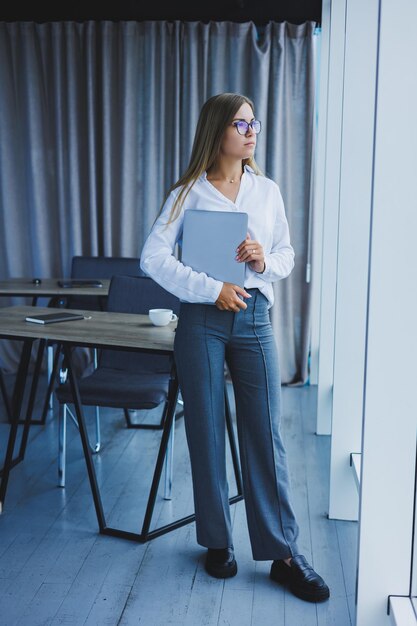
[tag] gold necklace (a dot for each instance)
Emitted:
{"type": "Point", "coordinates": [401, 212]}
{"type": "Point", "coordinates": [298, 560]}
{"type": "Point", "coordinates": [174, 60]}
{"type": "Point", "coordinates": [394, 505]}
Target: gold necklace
{"type": "Point", "coordinates": [219, 180]}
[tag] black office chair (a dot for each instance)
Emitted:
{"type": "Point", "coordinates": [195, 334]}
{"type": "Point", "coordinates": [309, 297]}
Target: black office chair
{"type": "Point", "coordinates": [100, 267]}
{"type": "Point", "coordinates": [126, 380]}
{"type": "Point", "coordinates": [94, 267]}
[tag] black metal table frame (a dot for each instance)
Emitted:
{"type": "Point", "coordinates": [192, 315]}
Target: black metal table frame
{"type": "Point", "coordinates": [19, 389]}
{"type": "Point", "coordinates": [146, 534]}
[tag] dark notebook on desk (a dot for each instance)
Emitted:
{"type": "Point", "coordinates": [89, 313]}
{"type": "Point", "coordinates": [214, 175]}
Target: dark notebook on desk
{"type": "Point", "coordinates": [52, 318]}
{"type": "Point", "coordinates": [209, 243]}
{"type": "Point", "coordinates": [79, 282]}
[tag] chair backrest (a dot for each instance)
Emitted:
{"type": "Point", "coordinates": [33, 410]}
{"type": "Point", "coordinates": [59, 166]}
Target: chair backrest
{"type": "Point", "coordinates": [100, 267]}
{"type": "Point", "coordinates": [137, 294]}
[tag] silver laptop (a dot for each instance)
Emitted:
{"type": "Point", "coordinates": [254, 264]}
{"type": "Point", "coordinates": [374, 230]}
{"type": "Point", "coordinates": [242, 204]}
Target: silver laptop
{"type": "Point", "coordinates": [209, 243]}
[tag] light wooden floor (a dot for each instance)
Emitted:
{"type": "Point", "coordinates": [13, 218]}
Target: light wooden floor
{"type": "Point", "coordinates": [56, 569]}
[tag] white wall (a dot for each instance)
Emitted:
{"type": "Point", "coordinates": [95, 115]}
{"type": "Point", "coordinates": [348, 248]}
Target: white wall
{"type": "Point", "coordinates": [328, 170]}
{"type": "Point", "coordinates": [318, 196]}
{"type": "Point", "coordinates": [357, 135]}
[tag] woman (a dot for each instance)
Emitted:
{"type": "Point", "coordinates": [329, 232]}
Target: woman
{"type": "Point", "coordinates": [222, 321]}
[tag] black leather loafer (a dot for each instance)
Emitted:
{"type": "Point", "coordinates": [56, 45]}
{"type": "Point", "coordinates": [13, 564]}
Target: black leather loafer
{"type": "Point", "coordinates": [301, 579]}
{"type": "Point", "coordinates": [221, 563]}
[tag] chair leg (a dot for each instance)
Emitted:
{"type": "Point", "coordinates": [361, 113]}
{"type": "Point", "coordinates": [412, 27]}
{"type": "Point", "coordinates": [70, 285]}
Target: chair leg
{"type": "Point", "coordinates": [52, 381]}
{"type": "Point", "coordinates": [62, 444]}
{"type": "Point", "coordinates": [62, 439]}
{"type": "Point", "coordinates": [180, 413]}
{"type": "Point", "coordinates": [63, 377]}
{"type": "Point", "coordinates": [50, 370]}
{"type": "Point", "coordinates": [169, 459]}
{"type": "Point", "coordinates": [98, 433]}
{"type": "Point", "coordinates": [73, 418]}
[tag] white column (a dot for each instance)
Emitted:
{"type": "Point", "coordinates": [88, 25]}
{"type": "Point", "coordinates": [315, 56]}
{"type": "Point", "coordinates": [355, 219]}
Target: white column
{"type": "Point", "coordinates": [318, 198]}
{"type": "Point", "coordinates": [390, 407]}
{"type": "Point", "coordinates": [360, 63]}
{"type": "Point", "coordinates": [329, 127]}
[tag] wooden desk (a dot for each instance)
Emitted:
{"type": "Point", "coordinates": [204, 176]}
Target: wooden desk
{"type": "Point", "coordinates": [48, 288]}
{"type": "Point", "coordinates": [100, 329]}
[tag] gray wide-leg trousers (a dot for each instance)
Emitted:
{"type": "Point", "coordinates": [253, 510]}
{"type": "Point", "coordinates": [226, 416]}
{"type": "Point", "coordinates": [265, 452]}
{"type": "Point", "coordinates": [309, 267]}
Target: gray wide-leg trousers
{"type": "Point", "coordinates": [205, 337]}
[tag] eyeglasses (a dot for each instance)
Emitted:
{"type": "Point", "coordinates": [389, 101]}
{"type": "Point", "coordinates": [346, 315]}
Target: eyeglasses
{"type": "Point", "coordinates": [242, 127]}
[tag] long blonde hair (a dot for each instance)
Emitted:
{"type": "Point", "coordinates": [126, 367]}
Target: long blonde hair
{"type": "Point", "coordinates": [215, 115]}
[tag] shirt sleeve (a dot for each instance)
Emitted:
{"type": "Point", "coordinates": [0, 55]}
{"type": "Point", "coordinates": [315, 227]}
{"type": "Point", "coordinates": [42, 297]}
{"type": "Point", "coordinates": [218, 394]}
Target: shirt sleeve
{"type": "Point", "coordinates": [157, 260]}
{"type": "Point", "coordinates": [279, 262]}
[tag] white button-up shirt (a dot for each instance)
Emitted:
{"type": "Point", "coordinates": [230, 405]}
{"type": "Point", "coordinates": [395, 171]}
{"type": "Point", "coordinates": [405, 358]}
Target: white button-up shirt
{"type": "Point", "coordinates": [261, 199]}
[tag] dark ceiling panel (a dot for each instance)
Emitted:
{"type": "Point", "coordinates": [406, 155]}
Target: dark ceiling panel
{"type": "Point", "coordinates": [258, 11]}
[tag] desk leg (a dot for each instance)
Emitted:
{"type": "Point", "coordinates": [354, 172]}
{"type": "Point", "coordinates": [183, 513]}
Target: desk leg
{"type": "Point", "coordinates": [5, 397]}
{"type": "Point", "coordinates": [147, 534]}
{"type": "Point", "coordinates": [169, 422]}
{"type": "Point", "coordinates": [84, 440]}
{"type": "Point", "coordinates": [17, 400]}
{"type": "Point", "coordinates": [32, 395]}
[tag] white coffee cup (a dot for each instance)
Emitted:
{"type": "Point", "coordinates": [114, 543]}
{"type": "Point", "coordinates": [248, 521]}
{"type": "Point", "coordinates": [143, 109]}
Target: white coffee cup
{"type": "Point", "coordinates": [162, 317]}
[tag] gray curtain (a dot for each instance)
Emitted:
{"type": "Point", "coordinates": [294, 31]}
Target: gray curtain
{"type": "Point", "coordinates": [97, 121]}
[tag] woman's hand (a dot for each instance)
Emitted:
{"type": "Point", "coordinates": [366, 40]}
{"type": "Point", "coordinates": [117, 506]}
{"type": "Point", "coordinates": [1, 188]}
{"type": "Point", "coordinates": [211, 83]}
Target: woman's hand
{"type": "Point", "coordinates": [229, 300]}
{"type": "Point", "coordinates": [251, 251]}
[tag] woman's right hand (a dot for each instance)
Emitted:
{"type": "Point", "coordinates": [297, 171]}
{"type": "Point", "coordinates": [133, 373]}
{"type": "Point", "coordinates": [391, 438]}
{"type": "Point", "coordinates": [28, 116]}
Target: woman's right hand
{"type": "Point", "coordinates": [229, 300]}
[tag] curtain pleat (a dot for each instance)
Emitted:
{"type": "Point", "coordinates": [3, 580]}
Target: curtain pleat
{"type": "Point", "coordinates": [97, 120]}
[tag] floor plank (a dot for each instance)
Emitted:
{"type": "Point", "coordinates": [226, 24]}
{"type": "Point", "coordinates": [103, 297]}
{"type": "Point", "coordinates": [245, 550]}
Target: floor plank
{"type": "Point", "coordinates": [44, 605]}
